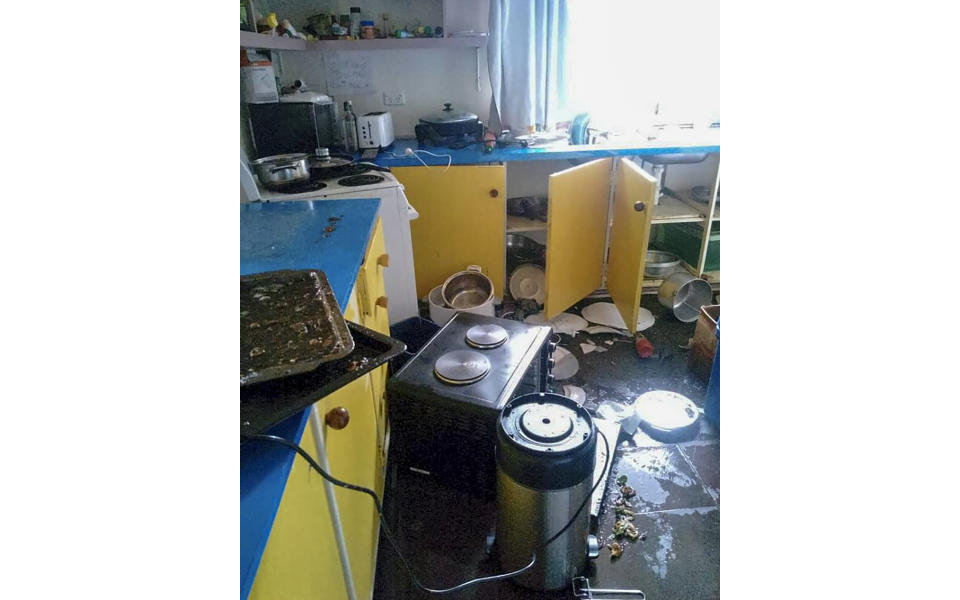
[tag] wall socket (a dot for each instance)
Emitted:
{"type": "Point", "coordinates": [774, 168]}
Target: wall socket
{"type": "Point", "coordinates": [394, 98]}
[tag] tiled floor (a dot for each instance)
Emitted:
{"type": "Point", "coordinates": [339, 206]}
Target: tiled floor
{"type": "Point", "coordinates": [442, 530]}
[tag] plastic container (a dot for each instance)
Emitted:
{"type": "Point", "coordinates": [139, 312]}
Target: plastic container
{"type": "Point", "coordinates": [704, 342]}
{"type": "Point", "coordinates": [711, 408]}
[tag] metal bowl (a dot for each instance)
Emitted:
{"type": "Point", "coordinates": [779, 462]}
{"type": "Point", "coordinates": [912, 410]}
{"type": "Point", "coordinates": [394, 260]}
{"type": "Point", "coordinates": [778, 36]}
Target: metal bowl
{"type": "Point", "coordinates": [660, 264]}
{"type": "Point", "coordinates": [467, 289]}
{"type": "Point", "coordinates": [684, 294]}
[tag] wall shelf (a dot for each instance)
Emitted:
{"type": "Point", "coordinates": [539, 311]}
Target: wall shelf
{"type": "Point", "coordinates": [248, 39]}
{"type": "Point", "coordinates": [517, 224]}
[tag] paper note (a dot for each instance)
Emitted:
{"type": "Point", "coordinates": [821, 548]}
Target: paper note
{"type": "Point", "coordinates": [349, 73]}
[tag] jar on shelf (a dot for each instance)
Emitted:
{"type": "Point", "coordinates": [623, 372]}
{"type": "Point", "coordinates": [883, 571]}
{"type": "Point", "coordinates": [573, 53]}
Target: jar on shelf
{"type": "Point", "coordinates": [367, 30]}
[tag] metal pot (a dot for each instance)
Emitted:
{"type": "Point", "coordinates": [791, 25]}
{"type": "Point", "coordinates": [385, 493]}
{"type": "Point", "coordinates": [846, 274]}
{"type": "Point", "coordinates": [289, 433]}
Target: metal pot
{"type": "Point", "coordinates": [278, 171]}
{"type": "Point", "coordinates": [440, 313]}
{"type": "Point", "coordinates": [659, 264]}
{"type": "Point", "coordinates": [684, 294]}
{"type": "Point", "coordinates": [467, 289]}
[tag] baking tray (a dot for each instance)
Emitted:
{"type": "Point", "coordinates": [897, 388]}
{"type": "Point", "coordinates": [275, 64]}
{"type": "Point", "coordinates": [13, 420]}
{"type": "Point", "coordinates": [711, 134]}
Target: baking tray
{"type": "Point", "coordinates": [289, 323]}
{"type": "Point", "coordinates": [265, 404]}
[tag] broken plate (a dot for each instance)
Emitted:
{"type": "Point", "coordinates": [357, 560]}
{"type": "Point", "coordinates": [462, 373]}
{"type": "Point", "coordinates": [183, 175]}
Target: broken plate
{"type": "Point", "coordinates": [605, 329]}
{"type": "Point", "coordinates": [565, 364]}
{"type": "Point", "coordinates": [575, 393]}
{"type": "Point", "coordinates": [535, 319]}
{"type": "Point", "coordinates": [568, 323]}
{"type": "Point", "coordinates": [606, 313]}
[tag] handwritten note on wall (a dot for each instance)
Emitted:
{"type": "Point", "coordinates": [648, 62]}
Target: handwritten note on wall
{"type": "Point", "coordinates": [349, 73]}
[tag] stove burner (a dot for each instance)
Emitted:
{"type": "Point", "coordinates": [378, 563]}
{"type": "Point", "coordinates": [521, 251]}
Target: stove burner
{"type": "Point", "coordinates": [461, 367]}
{"type": "Point", "coordinates": [307, 186]}
{"type": "Point", "coordinates": [347, 170]}
{"type": "Point", "coordinates": [355, 180]}
{"type": "Point", "coordinates": [486, 336]}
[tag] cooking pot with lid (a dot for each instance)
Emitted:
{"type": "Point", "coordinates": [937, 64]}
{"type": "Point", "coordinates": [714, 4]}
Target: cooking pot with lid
{"type": "Point", "coordinates": [449, 123]}
{"type": "Point", "coordinates": [278, 171]}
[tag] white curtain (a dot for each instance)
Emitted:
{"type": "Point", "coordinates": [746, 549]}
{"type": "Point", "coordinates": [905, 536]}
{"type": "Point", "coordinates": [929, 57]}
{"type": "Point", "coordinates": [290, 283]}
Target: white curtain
{"type": "Point", "coordinates": [527, 61]}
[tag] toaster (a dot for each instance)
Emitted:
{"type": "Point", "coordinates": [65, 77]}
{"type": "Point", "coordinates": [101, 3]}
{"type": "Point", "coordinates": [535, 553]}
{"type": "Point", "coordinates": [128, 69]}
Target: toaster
{"type": "Point", "coordinates": [375, 130]}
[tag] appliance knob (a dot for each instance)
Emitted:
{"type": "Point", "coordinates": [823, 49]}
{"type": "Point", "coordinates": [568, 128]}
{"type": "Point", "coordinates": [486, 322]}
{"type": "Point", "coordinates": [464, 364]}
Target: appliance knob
{"type": "Point", "coordinates": [337, 418]}
{"type": "Point", "coordinates": [553, 346]}
{"type": "Point", "coordinates": [550, 363]}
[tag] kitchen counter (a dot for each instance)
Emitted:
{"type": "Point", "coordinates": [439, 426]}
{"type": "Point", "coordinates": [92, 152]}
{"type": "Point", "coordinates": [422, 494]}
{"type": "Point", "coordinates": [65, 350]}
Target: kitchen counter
{"type": "Point", "coordinates": [679, 140]}
{"type": "Point", "coordinates": [290, 235]}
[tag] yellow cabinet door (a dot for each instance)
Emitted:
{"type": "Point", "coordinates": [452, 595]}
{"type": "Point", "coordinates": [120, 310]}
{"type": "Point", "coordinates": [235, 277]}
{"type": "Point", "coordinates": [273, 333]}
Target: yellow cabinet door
{"type": "Point", "coordinates": [300, 560]}
{"type": "Point", "coordinates": [462, 222]}
{"type": "Point", "coordinates": [629, 236]}
{"type": "Point", "coordinates": [576, 233]}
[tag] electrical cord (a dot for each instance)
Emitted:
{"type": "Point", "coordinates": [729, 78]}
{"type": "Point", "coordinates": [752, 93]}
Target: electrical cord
{"type": "Point", "coordinates": [413, 153]}
{"type": "Point", "coordinates": [389, 535]}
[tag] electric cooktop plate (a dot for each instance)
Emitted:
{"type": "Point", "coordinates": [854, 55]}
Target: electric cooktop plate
{"type": "Point", "coordinates": [355, 180]}
{"type": "Point", "coordinates": [489, 335]}
{"type": "Point", "coordinates": [461, 367]}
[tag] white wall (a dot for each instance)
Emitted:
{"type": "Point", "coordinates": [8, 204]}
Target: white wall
{"type": "Point", "coordinates": [428, 78]}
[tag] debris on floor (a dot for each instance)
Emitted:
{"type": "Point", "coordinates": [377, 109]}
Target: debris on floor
{"type": "Point", "coordinates": [644, 347]}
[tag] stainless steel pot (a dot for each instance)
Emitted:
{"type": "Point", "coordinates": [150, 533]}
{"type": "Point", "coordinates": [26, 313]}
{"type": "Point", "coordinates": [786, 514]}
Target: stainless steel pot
{"type": "Point", "coordinates": [660, 264]}
{"type": "Point", "coordinates": [467, 289]}
{"type": "Point", "coordinates": [278, 171]}
{"type": "Point", "coordinates": [684, 294]}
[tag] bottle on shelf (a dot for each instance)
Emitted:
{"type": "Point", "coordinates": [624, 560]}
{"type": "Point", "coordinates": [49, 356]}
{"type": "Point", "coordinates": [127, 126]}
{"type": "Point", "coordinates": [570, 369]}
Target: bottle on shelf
{"type": "Point", "coordinates": [349, 128]}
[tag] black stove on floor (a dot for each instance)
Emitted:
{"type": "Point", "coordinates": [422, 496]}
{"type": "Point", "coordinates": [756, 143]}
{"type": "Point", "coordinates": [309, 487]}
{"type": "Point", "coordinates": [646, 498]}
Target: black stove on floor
{"type": "Point", "coordinates": [445, 400]}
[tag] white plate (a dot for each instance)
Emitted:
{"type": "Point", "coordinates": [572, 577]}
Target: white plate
{"type": "Point", "coordinates": [568, 323]}
{"type": "Point", "coordinates": [606, 313]}
{"type": "Point", "coordinates": [575, 393]}
{"type": "Point", "coordinates": [528, 282]}
{"type": "Point", "coordinates": [535, 319]}
{"type": "Point", "coordinates": [566, 364]}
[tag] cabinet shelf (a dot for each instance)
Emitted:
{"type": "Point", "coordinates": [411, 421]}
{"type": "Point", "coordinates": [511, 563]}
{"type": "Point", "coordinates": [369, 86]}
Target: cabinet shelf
{"type": "Point", "coordinates": [248, 39]}
{"type": "Point", "coordinates": [671, 210]}
{"type": "Point", "coordinates": [516, 224]}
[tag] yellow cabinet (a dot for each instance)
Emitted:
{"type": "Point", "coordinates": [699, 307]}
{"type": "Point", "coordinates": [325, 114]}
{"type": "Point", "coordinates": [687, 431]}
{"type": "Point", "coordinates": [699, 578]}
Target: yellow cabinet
{"type": "Point", "coordinates": [462, 221]}
{"type": "Point", "coordinates": [301, 560]}
{"type": "Point", "coordinates": [578, 217]}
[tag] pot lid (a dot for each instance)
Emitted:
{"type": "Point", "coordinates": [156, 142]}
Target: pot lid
{"type": "Point", "coordinates": [280, 158]}
{"type": "Point", "coordinates": [449, 115]}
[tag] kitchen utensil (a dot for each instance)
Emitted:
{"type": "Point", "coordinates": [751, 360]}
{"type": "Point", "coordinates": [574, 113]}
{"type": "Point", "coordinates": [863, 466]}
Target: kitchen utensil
{"type": "Point", "coordinates": [528, 281]}
{"type": "Point", "coordinates": [565, 364]}
{"type": "Point", "coordinates": [659, 264]}
{"type": "Point", "coordinates": [684, 294]}
{"type": "Point", "coordinates": [281, 170]}
{"type": "Point", "coordinates": [667, 415]}
{"type": "Point", "coordinates": [467, 289]}
{"type": "Point", "coordinates": [289, 323]}
{"type": "Point", "coordinates": [263, 405]}
{"type": "Point", "coordinates": [440, 313]}
{"type": "Point", "coordinates": [545, 452]}
{"type": "Point", "coordinates": [449, 126]}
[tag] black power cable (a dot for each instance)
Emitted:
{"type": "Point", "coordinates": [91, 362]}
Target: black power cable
{"type": "Point", "coordinates": [389, 535]}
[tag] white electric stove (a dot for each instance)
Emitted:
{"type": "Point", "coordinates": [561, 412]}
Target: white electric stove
{"type": "Point", "coordinates": [395, 214]}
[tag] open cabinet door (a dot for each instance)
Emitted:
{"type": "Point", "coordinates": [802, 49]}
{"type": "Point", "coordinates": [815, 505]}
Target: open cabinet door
{"type": "Point", "coordinates": [576, 233]}
{"type": "Point", "coordinates": [629, 236]}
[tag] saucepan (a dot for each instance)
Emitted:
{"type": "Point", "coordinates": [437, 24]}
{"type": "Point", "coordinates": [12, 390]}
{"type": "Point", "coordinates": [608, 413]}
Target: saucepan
{"type": "Point", "coordinates": [467, 289]}
{"type": "Point", "coordinates": [684, 294]}
{"type": "Point", "coordinates": [278, 171]}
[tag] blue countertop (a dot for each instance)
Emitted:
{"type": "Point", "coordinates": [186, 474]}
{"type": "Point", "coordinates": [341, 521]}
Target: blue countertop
{"type": "Point", "coordinates": [681, 141]}
{"type": "Point", "coordinates": [289, 235]}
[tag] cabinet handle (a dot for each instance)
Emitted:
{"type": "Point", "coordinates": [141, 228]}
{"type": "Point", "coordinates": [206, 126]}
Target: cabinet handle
{"type": "Point", "coordinates": [337, 418]}
{"type": "Point", "coordinates": [383, 260]}
{"type": "Point", "coordinates": [638, 206]}
{"type": "Point", "coordinates": [494, 193]}
{"type": "Point", "coordinates": [382, 302]}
